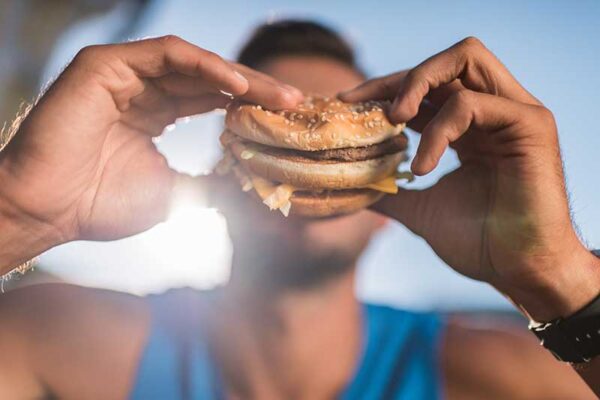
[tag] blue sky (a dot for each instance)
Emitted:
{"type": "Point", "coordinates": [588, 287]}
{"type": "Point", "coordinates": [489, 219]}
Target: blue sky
{"type": "Point", "coordinates": [552, 47]}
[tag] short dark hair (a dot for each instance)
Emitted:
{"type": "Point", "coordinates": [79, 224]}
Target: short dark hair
{"type": "Point", "coordinates": [296, 38]}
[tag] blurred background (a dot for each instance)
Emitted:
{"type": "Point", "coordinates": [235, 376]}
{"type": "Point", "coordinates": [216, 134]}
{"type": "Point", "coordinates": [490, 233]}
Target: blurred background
{"type": "Point", "coordinates": [551, 47]}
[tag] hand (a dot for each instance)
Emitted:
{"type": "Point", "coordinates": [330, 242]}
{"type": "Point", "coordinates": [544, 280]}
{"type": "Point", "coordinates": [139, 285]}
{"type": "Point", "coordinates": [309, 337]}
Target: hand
{"type": "Point", "coordinates": [502, 216]}
{"type": "Point", "coordinates": [83, 164]}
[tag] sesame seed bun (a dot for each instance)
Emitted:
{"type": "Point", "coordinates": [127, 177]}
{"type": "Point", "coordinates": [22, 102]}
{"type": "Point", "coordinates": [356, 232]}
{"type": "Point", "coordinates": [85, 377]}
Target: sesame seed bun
{"type": "Point", "coordinates": [318, 123]}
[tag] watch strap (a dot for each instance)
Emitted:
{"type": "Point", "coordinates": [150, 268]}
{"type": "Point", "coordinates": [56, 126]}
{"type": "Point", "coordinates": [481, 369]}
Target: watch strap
{"type": "Point", "coordinates": [576, 338]}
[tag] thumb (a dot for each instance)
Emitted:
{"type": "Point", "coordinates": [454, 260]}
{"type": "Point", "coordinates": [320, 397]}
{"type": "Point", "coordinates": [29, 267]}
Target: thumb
{"type": "Point", "coordinates": [407, 207]}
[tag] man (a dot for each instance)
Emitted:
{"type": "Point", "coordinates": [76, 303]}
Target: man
{"type": "Point", "coordinates": [82, 166]}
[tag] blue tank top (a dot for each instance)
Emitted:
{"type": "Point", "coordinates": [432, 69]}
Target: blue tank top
{"type": "Point", "coordinates": [400, 357]}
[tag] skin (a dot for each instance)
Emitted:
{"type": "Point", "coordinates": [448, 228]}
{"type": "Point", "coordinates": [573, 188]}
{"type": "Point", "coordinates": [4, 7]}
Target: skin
{"type": "Point", "coordinates": [101, 93]}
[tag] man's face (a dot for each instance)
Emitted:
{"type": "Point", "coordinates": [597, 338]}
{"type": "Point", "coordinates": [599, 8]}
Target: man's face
{"type": "Point", "coordinates": [297, 245]}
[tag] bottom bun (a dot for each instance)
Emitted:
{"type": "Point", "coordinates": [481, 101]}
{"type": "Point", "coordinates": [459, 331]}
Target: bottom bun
{"type": "Point", "coordinates": [332, 202]}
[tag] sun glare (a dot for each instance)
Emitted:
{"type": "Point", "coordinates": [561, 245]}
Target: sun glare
{"type": "Point", "coordinates": [194, 241]}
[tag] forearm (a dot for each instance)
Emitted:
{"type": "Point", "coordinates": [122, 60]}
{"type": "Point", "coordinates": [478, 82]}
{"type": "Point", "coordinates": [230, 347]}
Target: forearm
{"type": "Point", "coordinates": [562, 296]}
{"type": "Point", "coordinates": [21, 238]}
{"type": "Point", "coordinates": [591, 374]}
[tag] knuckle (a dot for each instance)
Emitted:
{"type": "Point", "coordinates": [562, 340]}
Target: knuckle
{"type": "Point", "coordinates": [546, 116]}
{"type": "Point", "coordinates": [463, 99]}
{"type": "Point", "coordinates": [212, 57]}
{"type": "Point", "coordinates": [89, 54]}
{"type": "Point", "coordinates": [413, 76]}
{"type": "Point", "coordinates": [208, 60]}
{"type": "Point", "coordinates": [472, 43]}
{"type": "Point", "coordinates": [169, 40]}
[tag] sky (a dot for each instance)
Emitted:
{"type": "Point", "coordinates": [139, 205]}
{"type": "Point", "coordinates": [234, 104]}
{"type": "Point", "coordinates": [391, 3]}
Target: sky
{"type": "Point", "coordinates": [551, 47]}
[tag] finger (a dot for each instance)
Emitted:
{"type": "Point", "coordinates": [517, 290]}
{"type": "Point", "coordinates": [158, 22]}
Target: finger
{"type": "Point", "coordinates": [383, 88]}
{"type": "Point", "coordinates": [465, 109]}
{"type": "Point", "coordinates": [268, 92]}
{"type": "Point", "coordinates": [427, 112]}
{"type": "Point", "coordinates": [156, 57]}
{"type": "Point", "coordinates": [470, 62]}
{"type": "Point", "coordinates": [175, 84]}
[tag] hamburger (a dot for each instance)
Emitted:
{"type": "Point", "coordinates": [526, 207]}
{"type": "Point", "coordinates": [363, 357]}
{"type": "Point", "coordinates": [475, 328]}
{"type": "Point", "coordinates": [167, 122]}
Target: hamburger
{"type": "Point", "coordinates": [323, 158]}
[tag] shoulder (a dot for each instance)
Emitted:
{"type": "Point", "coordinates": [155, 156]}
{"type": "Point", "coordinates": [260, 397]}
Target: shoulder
{"type": "Point", "coordinates": [496, 356]}
{"type": "Point", "coordinates": [74, 337]}
{"type": "Point", "coordinates": [48, 312]}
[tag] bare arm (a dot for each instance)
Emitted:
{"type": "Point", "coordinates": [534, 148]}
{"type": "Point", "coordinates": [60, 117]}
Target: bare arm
{"type": "Point", "coordinates": [502, 216]}
{"type": "Point", "coordinates": [503, 362]}
{"type": "Point", "coordinates": [83, 165]}
{"type": "Point", "coordinates": [70, 342]}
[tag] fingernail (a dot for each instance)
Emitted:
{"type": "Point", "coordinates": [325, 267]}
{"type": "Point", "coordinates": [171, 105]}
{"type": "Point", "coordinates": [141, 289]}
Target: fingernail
{"type": "Point", "coordinates": [291, 89]}
{"type": "Point", "coordinates": [240, 77]}
{"type": "Point", "coordinates": [415, 163]}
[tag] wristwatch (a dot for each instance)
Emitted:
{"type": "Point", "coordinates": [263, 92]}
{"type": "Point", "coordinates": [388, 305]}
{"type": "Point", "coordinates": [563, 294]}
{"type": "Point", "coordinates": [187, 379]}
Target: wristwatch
{"type": "Point", "coordinates": [574, 339]}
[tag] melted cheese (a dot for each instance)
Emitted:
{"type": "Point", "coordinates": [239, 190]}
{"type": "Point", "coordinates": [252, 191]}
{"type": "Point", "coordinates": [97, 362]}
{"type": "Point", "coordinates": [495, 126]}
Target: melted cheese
{"type": "Point", "coordinates": [278, 197]}
{"type": "Point", "coordinates": [386, 185]}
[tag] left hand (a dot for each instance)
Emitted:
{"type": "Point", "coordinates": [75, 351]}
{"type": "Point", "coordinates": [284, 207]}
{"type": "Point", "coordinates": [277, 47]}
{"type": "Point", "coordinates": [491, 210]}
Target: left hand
{"type": "Point", "coordinates": [502, 216]}
{"type": "Point", "coordinates": [83, 164]}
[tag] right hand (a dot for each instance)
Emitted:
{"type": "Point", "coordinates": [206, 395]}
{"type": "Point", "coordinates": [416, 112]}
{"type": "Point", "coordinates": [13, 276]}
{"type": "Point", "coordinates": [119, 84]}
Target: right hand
{"type": "Point", "coordinates": [503, 216]}
{"type": "Point", "coordinates": [83, 164]}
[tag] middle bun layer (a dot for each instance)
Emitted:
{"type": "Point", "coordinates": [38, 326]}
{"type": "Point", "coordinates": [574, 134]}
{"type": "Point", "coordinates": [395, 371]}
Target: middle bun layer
{"type": "Point", "coordinates": [311, 174]}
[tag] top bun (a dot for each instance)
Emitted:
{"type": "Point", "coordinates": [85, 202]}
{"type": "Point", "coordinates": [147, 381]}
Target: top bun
{"type": "Point", "coordinates": [318, 123]}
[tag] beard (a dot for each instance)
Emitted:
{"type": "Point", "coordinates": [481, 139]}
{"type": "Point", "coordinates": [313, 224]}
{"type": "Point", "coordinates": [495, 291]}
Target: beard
{"type": "Point", "coordinates": [273, 263]}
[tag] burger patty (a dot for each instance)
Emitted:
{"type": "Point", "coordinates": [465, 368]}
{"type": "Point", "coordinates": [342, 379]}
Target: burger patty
{"type": "Point", "coordinates": [320, 194]}
{"type": "Point", "coordinates": [393, 145]}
